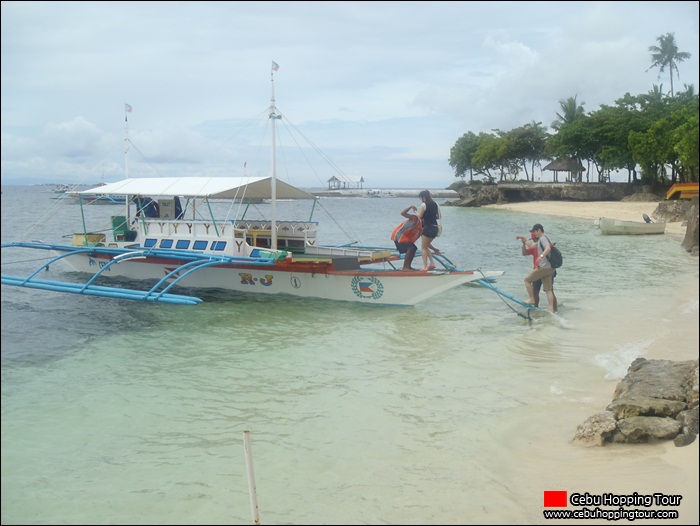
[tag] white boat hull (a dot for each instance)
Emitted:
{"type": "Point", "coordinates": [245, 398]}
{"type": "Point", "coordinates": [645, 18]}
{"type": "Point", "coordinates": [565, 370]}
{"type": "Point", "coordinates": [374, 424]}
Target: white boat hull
{"type": "Point", "coordinates": [616, 227]}
{"type": "Point", "coordinates": [371, 286]}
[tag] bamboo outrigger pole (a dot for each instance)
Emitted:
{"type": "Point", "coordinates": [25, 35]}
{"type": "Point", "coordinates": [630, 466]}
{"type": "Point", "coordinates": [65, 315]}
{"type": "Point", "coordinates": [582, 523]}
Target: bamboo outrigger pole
{"type": "Point", "coordinates": [251, 478]}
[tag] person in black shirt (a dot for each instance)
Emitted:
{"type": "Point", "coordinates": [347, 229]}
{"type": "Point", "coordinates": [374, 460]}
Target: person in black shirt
{"type": "Point", "coordinates": [146, 206]}
{"type": "Point", "coordinates": [429, 214]}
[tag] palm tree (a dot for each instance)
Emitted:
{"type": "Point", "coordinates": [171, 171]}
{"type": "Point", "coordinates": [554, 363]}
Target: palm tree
{"type": "Point", "coordinates": [666, 55]}
{"type": "Point", "coordinates": [570, 111]}
{"type": "Point", "coordinates": [657, 92]}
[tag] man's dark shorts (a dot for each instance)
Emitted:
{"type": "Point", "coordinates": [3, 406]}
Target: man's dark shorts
{"type": "Point", "coordinates": [404, 247]}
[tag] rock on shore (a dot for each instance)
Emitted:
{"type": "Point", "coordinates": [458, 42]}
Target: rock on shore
{"type": "Point", "coordinates": [656, 400]}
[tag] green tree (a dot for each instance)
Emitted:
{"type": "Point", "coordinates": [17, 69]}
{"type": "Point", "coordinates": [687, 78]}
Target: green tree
{"type": "Point", "coordinates": [573, 141]}
{"type": "Point", "coordinates": [526, 144]}
{"type": "Point", "coordinates": [684, 138]}
{"type": "Point", "coordinates": [570, 111]}
{"type": "Point", "coordinates": [666, 55]}
{"type": "Point", "coordinates": [651, 149]}
{"type": "Point", "coordinates": [461, 155]}
{"type": "Point", "coordinates": [686, 146]}
{"type": "Point", "coordinates": [488, 156]}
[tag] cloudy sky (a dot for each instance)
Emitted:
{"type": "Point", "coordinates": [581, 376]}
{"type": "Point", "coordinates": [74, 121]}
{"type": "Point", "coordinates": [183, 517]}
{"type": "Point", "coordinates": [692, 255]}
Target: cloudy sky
{"type": "Point", "coordinates": [382, 89]}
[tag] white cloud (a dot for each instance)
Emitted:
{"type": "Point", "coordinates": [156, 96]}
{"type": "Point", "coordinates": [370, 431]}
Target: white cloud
{"type": "Point", "coordinates": [387, 87]}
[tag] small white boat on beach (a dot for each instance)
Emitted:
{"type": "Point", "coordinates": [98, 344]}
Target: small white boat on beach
{"type": "Point", "coordinates": [611, 227]}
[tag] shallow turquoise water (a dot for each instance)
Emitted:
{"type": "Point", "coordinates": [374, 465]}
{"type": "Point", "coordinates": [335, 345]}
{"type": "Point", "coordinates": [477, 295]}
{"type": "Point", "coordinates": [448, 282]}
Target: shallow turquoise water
{"type": "Point", "coordinates": [120, 412]}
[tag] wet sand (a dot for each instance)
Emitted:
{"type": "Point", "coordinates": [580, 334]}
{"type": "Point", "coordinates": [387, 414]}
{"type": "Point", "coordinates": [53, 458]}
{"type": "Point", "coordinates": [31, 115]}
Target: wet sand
{"type": "Point", "coordinates": [681, 344]}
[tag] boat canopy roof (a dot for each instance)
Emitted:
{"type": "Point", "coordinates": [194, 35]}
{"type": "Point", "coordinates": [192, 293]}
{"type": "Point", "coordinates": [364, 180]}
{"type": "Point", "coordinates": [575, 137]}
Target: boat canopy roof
{"type": "Point", "coordinates": [210, 187]}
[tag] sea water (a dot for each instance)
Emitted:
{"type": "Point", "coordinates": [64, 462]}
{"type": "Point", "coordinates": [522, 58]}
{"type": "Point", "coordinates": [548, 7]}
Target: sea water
{"type": "Point", "coordinates": [452, 411]}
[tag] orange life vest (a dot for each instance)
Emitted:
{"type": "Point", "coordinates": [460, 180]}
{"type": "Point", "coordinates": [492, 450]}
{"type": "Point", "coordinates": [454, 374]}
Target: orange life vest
{"type": "Point", "coordinates": [406, 232]}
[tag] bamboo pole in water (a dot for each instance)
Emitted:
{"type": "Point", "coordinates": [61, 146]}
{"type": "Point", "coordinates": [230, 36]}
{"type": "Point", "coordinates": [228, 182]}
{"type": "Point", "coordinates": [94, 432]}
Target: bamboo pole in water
{"type": "Point", "coordinates": [251, 477]}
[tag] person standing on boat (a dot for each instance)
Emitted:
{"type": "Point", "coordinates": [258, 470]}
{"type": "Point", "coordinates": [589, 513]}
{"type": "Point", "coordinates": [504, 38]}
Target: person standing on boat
{"type": "Point", "coordinates": [429, 214]}
{"type": "Point", "coordinates": [543, 270]}
{"type": "Point", "coordinates": [529, 248]}
{"type": "Point", "coordinates": [147, 206]}
{"type": "Point", "coordinates": [178, 208]}
{"type": "Point", "coordinates": [405, 235]}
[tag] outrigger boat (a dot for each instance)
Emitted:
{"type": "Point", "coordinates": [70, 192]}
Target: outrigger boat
{"type": "Point", "coordinates": [77, 198]}
{"type": "Point", "coordinates": [231, 254]}
{"type": "Point", "coordinates": [190, 247]}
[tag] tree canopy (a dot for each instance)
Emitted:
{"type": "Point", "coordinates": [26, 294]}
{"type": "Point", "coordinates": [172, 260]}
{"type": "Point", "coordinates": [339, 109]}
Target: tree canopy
{"type": "Point", "coordinates": [655, 132]}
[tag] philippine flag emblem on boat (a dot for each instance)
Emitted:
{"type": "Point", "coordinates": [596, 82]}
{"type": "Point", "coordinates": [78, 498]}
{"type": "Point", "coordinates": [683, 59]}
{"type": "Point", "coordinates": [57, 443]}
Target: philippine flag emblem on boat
{"type": "Point", "coordinates": [365, 287]}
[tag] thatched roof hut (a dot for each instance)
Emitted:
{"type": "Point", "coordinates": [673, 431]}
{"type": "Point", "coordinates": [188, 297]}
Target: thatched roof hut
{"type": "Point", "coordinates": [335, 183]}
{"type": "Point", "coordinates": [565, 165]}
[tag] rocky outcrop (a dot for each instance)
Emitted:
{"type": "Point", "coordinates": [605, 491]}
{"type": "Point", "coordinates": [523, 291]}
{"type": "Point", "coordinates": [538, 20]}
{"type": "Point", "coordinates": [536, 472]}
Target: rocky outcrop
{"type": "Point", "coordinates": [480, 195]}
{"type": "Point", "coordinates": [692, 235]}
{"type": "Point", "coordinates": [682, 210]}
{"type": "Point", "coordinates": [656, 400]}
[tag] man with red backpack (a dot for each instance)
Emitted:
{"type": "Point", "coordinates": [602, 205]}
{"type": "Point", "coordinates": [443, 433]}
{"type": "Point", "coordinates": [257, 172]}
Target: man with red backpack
{"type": "Point", "coordinates": [543, 269]}
{"type": "Point", "coordinates": [529, 248]}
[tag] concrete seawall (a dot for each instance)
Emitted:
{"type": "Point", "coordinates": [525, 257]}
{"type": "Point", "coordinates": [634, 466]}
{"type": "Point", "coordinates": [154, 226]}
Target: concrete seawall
{"type": "Point", "coordinates": [383, 192]}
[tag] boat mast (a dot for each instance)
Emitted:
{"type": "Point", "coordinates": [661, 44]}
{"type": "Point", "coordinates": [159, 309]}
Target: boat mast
{"type": "Point", "coordinates": [273, 180]}
{"type": "Point", "coordinates": [127, 109]}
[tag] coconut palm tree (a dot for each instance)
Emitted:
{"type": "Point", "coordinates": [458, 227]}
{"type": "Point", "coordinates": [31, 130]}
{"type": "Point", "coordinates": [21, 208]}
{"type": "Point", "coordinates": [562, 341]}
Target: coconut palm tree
{"type": "Point", "coordinates": [570, 111]}
{"type": "Point", "coordinates": [666, 55]}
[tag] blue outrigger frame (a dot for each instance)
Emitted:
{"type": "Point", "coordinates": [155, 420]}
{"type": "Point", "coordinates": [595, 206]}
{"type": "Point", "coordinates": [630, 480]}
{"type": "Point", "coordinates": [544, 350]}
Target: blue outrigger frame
{"type": "Point", "coordinates": [489, 284]}
{"type": "Point", "coordinates": [154, 294]}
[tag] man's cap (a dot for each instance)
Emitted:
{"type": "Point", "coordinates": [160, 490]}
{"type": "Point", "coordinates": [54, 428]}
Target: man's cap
{"type": "Point", "coordinates": [537, 227]}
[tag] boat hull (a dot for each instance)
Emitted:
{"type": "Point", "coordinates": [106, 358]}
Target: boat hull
{"type": "Point", "coordinates": [682, 191]}
{"type": "Point", "coordinates": [611, 227]}
{"type": "Point", "coordinates": [370, 286]}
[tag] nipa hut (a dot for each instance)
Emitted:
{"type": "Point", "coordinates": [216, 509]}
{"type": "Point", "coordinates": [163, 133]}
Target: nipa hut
{"type": "Point", "coordinates": [572, 166]}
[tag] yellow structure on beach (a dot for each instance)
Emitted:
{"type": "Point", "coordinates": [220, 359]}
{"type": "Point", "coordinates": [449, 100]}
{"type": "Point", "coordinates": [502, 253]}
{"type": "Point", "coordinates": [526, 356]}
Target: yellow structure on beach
{"type": "Point", "coordinates": [682, 191]}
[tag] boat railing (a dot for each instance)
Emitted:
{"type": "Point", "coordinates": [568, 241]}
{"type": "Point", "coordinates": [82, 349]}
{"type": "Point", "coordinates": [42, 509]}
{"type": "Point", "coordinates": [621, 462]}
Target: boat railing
{"type": "Point", "coordinates": [362, 254]}
{"type": "Point", "coordinates": [287, 229]}
{"type": "Point", "coordinates": [292, 236]}
{"type": "Point", "coordinates": [242, 237]}
{"type": "Point", "coordinates": [158, 226]}
{"type": "Point", "coordinates": [185, 228]}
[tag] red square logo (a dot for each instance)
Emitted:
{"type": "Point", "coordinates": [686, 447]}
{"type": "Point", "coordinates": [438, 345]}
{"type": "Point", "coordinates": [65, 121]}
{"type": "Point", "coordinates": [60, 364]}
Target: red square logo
{"type": "Point", "coordinates": [555, 499]}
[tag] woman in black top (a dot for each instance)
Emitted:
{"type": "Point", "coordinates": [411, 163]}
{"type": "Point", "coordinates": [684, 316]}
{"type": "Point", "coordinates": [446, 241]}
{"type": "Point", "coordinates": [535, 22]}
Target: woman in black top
{"type": "Point", "coordinates": [429, 213]}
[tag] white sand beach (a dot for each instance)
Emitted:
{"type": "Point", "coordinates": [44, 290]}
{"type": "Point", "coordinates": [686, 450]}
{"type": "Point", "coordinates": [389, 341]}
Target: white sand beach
{"type": "Point", "coordinates": [622, 210]}
{"type": "Point", "coordinates": [681, 344]}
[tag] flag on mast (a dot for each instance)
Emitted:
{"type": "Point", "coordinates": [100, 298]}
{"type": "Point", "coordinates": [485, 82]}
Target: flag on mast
{"type": "Point", "coordinates": [275, 66]}
{"type": "Point", "coordinates": [127, 108]}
